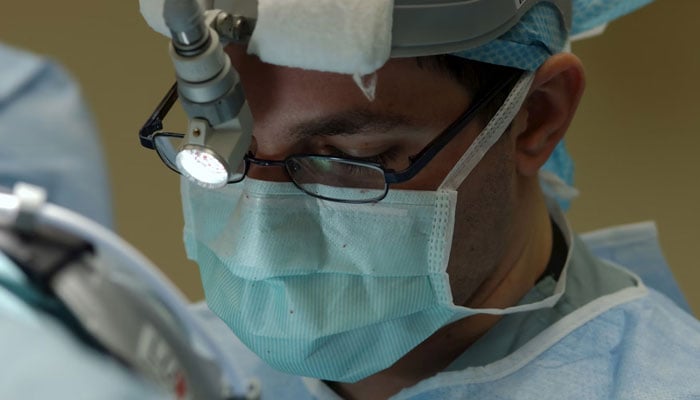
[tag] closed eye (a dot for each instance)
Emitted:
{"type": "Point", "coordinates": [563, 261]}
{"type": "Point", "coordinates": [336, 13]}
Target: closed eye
{"type": "Point", "coordinates": [384, 159]}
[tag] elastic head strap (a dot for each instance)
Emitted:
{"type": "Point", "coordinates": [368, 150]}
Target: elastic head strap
{"type": "Point", "coordinates": [490, 134]}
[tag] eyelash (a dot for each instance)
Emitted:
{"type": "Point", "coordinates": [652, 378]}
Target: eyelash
{"type": "Point", "coordinates": [383, 158]}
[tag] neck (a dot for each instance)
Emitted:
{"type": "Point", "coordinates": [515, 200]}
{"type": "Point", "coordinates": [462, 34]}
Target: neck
{"type": "Point", "coordinates": [525, 260]}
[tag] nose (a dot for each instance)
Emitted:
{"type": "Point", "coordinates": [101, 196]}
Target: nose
{"type": "Point", "coordinates": [271, 173]}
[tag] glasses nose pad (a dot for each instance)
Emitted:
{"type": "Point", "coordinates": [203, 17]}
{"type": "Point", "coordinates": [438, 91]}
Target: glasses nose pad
{"type": "Point", "coordinates": [293, 166]}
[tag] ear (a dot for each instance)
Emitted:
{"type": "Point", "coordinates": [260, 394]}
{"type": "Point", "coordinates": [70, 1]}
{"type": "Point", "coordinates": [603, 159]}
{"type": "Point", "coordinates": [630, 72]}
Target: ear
{"type": "Point", "coordinates": [548, 110]}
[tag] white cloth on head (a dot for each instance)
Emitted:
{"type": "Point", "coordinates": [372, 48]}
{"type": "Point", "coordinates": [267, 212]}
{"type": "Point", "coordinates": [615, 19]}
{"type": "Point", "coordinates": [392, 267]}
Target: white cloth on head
{"type": "Point", "coordinates": [349, 36]}
{"type": "Point", "coordinates": [352, 36]}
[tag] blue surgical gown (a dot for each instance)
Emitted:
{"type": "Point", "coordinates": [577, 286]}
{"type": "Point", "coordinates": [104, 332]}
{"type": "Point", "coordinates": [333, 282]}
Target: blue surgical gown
{"type": "Point", "coordinates": [48, 137]}
{"type": "Point", "coordinates": [42, 359]}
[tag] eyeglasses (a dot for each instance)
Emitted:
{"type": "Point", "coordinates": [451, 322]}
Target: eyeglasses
{"type": "Point", "coordinates": [331, 178]}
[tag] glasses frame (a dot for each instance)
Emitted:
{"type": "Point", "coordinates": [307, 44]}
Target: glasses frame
{"type": "Point", "coordinates": [152, 129]}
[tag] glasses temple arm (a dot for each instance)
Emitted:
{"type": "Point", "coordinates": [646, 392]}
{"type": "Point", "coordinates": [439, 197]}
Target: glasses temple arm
{"type": "Point", "coordinates": [155, 121]}
{"type": "Point", "coordinates": [429, 152]}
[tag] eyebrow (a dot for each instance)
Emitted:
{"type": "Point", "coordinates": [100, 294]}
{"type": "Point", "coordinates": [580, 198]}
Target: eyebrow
{"type": "Point", "coordinates": [350, 122]}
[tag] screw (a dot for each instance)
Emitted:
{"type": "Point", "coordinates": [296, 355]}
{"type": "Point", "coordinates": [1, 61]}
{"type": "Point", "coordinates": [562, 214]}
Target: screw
{"type": "Point", "coordinates": [196, 132]}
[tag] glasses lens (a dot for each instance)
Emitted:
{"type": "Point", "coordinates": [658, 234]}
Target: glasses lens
{"type": "Point", "coordinates": [337, 179]}
{"type": "Point", "coordinates": [167, 145]}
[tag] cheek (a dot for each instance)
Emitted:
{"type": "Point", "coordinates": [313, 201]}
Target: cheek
{"type": "Point", "coordinates": [485, 205]}
{"type": "Point", "coordinates": [433, 174]}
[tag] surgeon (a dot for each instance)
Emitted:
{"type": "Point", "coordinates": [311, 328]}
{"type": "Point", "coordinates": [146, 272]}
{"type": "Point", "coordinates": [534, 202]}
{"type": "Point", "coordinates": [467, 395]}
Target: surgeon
{"type": "Point", "coordinates": [388, 236]}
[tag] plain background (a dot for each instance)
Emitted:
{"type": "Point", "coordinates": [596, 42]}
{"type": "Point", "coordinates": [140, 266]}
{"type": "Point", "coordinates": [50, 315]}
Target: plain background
{"type": "Point", "coordinates": [636, 137]}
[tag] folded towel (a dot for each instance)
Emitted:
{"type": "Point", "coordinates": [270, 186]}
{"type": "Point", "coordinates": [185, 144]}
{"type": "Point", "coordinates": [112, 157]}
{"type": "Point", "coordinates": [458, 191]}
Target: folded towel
{"type": "Point", "coordinates": [344, 36]}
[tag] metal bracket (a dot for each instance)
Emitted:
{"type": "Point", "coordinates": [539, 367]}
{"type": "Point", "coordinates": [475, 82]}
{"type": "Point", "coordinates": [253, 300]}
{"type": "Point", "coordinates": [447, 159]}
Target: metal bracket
{"type": "Point", "coordinates": [231, 28]}
{"type": "Point", "coordinates": [31, 199]}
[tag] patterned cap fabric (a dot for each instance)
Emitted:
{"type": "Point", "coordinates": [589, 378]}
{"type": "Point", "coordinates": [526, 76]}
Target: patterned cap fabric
{"type": "Point", "coordinates": [541, 32]}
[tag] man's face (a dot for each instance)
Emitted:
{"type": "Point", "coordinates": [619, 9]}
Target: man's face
{"type": "Point", "coordinates": [297, 111]}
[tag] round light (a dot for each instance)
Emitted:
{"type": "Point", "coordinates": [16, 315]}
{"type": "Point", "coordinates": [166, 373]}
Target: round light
{"type": "Point", "coordinates": [203, 166]}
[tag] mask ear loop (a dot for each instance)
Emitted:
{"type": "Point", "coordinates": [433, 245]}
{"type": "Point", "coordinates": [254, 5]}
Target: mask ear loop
{"type": "Point", "coordinates": [489, 135]}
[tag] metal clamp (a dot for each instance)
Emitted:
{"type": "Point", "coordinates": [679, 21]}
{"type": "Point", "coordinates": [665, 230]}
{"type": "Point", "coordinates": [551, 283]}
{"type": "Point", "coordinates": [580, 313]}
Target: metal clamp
{"type": "Point", "coordinates": [232, 28]}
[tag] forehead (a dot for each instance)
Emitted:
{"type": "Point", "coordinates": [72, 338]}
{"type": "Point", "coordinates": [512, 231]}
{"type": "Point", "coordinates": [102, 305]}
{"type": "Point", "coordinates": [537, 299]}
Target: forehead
{"type": "Point", "coordinates": [280, 95]}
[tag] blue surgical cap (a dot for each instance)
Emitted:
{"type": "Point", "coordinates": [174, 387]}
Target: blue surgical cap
{"type": "Point", "coordinates": [540, 34]}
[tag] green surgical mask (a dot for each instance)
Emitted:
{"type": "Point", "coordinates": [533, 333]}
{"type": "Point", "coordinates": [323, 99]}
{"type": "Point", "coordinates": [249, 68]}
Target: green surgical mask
{"type": "Point", "coordinates": [331, 290]}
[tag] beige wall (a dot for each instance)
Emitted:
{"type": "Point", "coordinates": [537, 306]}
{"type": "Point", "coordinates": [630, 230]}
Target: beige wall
{"type": "Point", "coordinates": [636, 138]}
